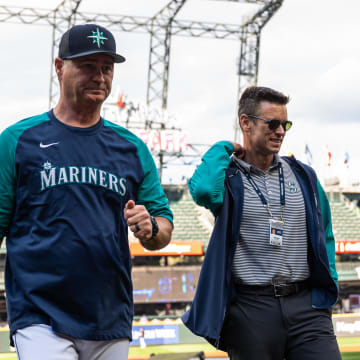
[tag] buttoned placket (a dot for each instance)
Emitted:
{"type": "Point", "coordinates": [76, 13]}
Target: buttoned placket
{"type": "Point", "coordinates": [266, 178]}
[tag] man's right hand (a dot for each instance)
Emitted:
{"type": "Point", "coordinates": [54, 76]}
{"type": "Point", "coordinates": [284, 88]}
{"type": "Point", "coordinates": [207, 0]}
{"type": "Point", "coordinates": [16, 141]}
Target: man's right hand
{"type": "Point", "coordinates": [239, 151]}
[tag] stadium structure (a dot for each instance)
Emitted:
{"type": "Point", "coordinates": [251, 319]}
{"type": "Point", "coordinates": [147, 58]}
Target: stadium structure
{"type": "Point", "coordinates": [165, 281]}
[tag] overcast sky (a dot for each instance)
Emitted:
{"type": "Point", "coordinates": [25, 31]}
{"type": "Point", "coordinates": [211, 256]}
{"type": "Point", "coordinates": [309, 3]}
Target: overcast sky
{"type": "Point", "coordinates": [309, 50]}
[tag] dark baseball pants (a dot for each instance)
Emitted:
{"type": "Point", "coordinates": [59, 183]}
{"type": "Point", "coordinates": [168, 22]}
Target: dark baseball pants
{"type": "Point", "coordinates": [269, 328]}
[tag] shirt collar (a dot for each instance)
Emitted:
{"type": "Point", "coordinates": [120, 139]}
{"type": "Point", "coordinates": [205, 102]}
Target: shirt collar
{"type": "Point", "coordinates": [253, 169]}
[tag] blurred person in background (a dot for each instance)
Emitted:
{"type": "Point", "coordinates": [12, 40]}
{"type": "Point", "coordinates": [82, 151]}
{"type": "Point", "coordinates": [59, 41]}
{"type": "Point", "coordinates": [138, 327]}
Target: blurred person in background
{"type": "Point", "coordinates": [142, 339]}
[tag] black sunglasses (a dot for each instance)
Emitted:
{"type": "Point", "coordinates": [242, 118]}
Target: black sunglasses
{"type": "Point", "coordinates": [274, 123]}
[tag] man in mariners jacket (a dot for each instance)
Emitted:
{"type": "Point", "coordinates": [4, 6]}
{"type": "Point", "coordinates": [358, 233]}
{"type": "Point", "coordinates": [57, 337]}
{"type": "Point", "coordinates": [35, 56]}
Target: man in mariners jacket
{"type": "Point", "coordinates": [268, 280]}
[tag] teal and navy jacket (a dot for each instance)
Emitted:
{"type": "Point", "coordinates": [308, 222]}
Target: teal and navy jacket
{"type": "Point", "coordinates": [62, 195]}
{"type": "Point", "coordinates": [217, 184]}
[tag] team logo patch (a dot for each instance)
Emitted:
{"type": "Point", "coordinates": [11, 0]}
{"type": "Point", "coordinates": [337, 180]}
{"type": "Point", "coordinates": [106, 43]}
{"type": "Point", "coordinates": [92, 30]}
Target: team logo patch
{"type": "Point", "coordinates": [98, 37]}
{"type": "Point", "coordinates": [292, 187]}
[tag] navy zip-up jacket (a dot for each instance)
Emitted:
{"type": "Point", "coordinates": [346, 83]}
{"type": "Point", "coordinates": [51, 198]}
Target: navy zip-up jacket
{"type": "Point", "coordinates": [215, 290]}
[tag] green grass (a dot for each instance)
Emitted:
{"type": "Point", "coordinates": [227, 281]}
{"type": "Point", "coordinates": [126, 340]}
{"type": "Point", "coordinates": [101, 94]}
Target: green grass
{"type": "Point", "coordinates": [345, 356]}
{"type": "Point", "coordinates": [350, 356]}
{"type": "Point", "coordinates": [349, 341]}
{"type": "Point", "coordinates": [344, 341]}
{"type": "Point", "coordinates": [8, 356]}
{"type": "Point", "coordinates": [171, 349]}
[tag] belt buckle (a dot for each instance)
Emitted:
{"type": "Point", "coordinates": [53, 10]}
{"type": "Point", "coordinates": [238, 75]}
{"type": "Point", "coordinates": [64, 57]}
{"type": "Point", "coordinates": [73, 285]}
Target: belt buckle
{"type": "Point", "coordinates": [278, 287]}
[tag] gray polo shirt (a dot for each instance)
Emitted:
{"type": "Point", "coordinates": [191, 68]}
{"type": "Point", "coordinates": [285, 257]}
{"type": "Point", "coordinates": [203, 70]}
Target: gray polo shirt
{"type": "Point", "coordinates": [257, 262]}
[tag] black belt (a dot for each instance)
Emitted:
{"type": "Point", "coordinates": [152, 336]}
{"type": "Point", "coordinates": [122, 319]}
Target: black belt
{"type": "Point", "coordinates": [276, 290]}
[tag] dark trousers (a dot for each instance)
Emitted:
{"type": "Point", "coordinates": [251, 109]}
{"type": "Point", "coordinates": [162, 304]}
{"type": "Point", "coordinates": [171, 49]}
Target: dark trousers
{"type": "Point", "coordinates": [262, 327]}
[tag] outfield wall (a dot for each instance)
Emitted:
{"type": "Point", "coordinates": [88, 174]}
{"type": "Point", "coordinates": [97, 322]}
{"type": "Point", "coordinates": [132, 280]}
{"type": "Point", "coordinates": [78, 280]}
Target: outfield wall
{"type": "Point", "coordinates": [164, 332]}
{"type": "Point", "coordinates": [346, 324]}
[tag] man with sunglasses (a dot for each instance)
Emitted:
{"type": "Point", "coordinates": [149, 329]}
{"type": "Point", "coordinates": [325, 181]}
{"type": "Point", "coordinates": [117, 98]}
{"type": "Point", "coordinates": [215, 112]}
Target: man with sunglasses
{"type": "Point", "coordinates": [268, 279]}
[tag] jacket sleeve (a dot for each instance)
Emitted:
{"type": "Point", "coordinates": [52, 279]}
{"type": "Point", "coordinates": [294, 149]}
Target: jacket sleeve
{"type": "Point", "coordinates": [207, 185]}
{"type": "Point", "coordinates": [329, 236]}
{"type": "Point", "coordinates": [7, 180]}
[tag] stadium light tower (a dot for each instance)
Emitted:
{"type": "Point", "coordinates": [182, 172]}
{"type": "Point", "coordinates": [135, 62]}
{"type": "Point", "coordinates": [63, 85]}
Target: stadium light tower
{"type": "Point", "coordinates": [160, 39]}
{"type": "Point", "coordinates": [161, 27]}
{"type": "Point", "coordinates": [64, 17]}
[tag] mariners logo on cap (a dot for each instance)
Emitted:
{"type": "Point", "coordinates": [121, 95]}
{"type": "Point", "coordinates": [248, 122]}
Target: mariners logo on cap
{"type": "Point", "coordinates": [98, 37]}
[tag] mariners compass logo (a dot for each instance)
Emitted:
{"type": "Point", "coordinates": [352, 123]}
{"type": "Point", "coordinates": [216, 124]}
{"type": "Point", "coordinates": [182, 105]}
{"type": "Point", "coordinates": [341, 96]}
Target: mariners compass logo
{"type": "Point", "coordinates": [47, 165]}
{"type": "Point", "coordinates": [98, 37]}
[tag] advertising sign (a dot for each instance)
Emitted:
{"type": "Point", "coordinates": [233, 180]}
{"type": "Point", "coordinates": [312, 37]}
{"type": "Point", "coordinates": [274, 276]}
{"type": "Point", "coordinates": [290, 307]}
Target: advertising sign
{"type": "Point", "coordinates": [155, 126]}
{"type": "Point", "coordinates": [154, 284]}
{"type": "Point", "coordinates": [348, 325]}
{"type": "Point", "coordinates": [156, 334]}
{"type": "Point", "coordinates": [175, 248]}
{"type": "Point", "coordinates": [347, 247]}
{"type": "Point", "coordinates": [164, 140]}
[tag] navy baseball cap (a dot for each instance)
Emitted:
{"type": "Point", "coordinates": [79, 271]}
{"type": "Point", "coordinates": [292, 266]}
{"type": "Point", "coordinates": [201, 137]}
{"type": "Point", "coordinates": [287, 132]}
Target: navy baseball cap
{"type": "Point", "coordinates": [82, 40]}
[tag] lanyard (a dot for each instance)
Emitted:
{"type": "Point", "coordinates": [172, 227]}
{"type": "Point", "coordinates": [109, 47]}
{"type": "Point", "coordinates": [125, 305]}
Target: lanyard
{"type": "Point", "coordinates": [262, 197]}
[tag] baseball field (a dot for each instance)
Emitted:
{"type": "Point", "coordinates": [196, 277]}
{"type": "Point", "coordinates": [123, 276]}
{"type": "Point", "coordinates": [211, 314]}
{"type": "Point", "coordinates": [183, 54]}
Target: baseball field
{"type": "Point", "coordinates": [349, 346]}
